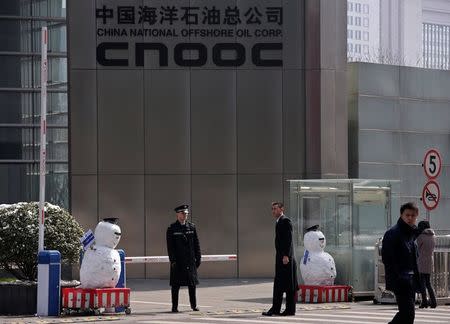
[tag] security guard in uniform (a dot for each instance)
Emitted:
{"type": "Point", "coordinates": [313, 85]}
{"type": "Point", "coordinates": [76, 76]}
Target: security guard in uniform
{"type": "Point", "coordinates": [399, 254]}
{"type": "Point", "coordinates": [183, 248]}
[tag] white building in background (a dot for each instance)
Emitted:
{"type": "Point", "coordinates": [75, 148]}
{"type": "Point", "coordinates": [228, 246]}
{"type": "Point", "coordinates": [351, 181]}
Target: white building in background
{"type": "Point", "coordinates": [363, 30]}
{"type": "Point", "coordinates": [436, 34]}
{"type": "Point", "coordinates": [402, 32]}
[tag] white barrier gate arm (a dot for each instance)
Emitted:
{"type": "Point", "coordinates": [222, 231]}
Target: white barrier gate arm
{"type": "Point", "coordinates": [165, 258]}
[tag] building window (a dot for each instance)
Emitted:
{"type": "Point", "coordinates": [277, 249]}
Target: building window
{"type": "Point", "coordinates": [366, 9]}
{"type": "Point", "coordinates": [366, 49]}
{"type": "Point", "coordinates": [358, 48]}
{"type": "Point", "coordinates": [358, 34]}
{"type": "Point", "coordinates": [366, 22]}
{"type": "Point", "coordinates": [350, 20]}
{"type": "Point", "coordinates": [358, 21]}
{"type": "Point", "coordinates": [21, 23]}
{"type": "Point", "coordinates": [436, 46]}
{"type": "Point", "coordinates": [350, 6]}
{"type": "Point", "coordinates": [366, 36]}
{"type": "Point", "coordinates": [350, 34]}
{"type": "Point", "coordinates": [350, 47]}
{"type": "Point", "coordinates": [358, 7]}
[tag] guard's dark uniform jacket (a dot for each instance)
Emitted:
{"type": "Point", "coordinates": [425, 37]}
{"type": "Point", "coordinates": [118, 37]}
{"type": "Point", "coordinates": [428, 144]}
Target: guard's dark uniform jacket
{"type": "Point", "coordinates": [183, 248]}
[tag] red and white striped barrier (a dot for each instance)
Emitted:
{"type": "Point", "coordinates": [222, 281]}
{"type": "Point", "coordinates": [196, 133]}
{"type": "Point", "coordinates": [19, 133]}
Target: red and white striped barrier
{"type": "Point", "coordinates": [79, 298]}
{"type": "Point", "coordinates": [165, 259]}
{"type": "Point", "coordinates": [323, 294]}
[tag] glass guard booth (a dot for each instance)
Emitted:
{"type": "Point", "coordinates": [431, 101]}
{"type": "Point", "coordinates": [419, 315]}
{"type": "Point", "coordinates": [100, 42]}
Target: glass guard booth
{"type": "Point", "coordinates": [352, 214]}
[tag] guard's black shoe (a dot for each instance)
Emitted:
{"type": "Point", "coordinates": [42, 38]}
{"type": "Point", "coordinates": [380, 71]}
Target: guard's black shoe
{"type": "Point", "coordinates": [270, 312]}
{"type": "Point", "coordinates": [287, 313]}
{"type": "Point", "coordinates": [174, 310]}
{"type": "Point", "coordinates": [195, 309]}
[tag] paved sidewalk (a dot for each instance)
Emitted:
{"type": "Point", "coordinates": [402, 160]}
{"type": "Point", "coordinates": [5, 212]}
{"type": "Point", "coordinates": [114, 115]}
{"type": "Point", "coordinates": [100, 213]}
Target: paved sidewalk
{"type": "Point", "coordinates": [233, 301]}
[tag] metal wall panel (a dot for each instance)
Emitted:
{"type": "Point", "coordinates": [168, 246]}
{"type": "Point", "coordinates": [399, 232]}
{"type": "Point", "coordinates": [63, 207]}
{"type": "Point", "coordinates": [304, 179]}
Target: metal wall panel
{"type": "Point", "coordinates": [293, 34]}
{"type": "Point", "coordinates": [162, 194]}
{"type": "Point", "coordinates": [82, 39]}
{"type": "Point", "coordinates": [412, 146]}
{"type": "Point", "coordinates": [341, 121]}
{"type": "Point", "coordinates": [83, 101]}
{"type": "Point", "coordinates": [410, 184]}
{"type": "Point", "coordinates": [327, 33]}
{"type": "Point", "coordinates": [120, 122]}
{"type": "Point", "coordinates": [214, 208]}
{"type": "Point", "coordinates": [256, 225]}
{"type": "Point", "coordinates": [213, 123]}
{"type": "Point", "coordinates": [294, 115]}
{"type": "Point", "coordinates": [84, 201]}
{"type": "Point", "coordinates": [382, 80]}
{"type": "Point", "coordinates": [259, 121]}
{"type": "Point", "coordinates": [340, 34]}
{"type": "Point", "coordinates": [312, 25]}
{"type": "Point", "coordinates": [123, 196]}
{"type": "Point", "coordinates": [313, 90]}
{"type": "Point", "coordinates": [328, 128]}
{"type": "Point", "coordinates": [167, 118]}
{"type": "Point", "coordinates": [376, 146]}
{"type": "Point", "coordinates": [332, 35]}
{"type": "Point", "coordinates": [420, 116]}
{"type": "Point", "coordinates": [378, 171]}
{"type": "Point", "coordinates": [378, 113]}
{"type": "Point", "coordinates": [426, 83]}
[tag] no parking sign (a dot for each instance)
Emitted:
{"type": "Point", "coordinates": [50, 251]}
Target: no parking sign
{"type": "Point", "coordinates": [431, 194]}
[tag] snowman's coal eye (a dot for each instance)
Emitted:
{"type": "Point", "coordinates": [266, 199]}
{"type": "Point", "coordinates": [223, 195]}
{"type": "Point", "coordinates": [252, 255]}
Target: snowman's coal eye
{"type": "Point", "coordinates": [322, 239]}
{"type": "Point", "coordinates": [117, 233]}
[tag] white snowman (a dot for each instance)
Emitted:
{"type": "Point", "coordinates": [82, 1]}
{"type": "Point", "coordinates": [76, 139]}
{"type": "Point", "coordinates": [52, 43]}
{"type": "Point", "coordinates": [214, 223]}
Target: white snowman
{"type": "Point", "coordinates": [316, 266]}
{"type": "Point", "coordinates": [100, 267]}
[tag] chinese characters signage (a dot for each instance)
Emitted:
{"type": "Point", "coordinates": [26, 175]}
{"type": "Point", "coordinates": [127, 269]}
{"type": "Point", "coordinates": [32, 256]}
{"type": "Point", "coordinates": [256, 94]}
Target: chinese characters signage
{"type": "Point", "coordinates": [251, 33]}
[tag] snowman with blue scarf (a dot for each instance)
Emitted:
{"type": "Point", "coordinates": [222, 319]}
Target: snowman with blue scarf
{"type": "Point", "coordinates": [100, 267]}
{"type": "Point", "coordinates": [316, 266]}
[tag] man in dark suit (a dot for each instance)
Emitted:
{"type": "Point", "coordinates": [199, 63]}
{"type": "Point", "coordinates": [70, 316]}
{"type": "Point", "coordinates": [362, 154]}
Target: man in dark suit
{"type": "Point", "coordinates": [285, 265]}
{"type": "Point", "coordinates": [183, 248]}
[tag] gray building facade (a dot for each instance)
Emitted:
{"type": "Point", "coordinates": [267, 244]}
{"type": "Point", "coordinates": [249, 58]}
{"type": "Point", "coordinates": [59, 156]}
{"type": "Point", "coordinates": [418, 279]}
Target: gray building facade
{"type": "Point", "coordinates": [161, 114]}
{"type": "Point", "coordinates": [397, 114]}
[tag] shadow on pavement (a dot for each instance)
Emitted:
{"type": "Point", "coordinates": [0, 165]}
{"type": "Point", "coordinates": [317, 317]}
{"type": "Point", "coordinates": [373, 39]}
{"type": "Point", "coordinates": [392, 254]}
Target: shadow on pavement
{"type": "Point", "coordinates": [254, 300]}
{"type": "Point", "coordinates": [163, 284]}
